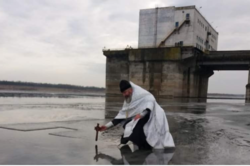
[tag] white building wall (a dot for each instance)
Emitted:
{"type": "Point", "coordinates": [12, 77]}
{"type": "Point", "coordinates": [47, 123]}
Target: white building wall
{"type": "Point", "coordinates": [201, 29]}
{"type": "Point", "coordinates": [156, 24]}
{"type": "Point", "coordinates": [165, 23]}
{"type": "Point", "coordinates": [200, 34]}
{"type": "Point", "coordinates": [147, 28]}
{"type": "Point", "coordinates": [186, 32]}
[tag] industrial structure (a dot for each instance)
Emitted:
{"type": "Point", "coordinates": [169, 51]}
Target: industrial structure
{"type": "Point", "coordinates": [176, 26]}
{"type": "Point", "coordinates": [175, 57]}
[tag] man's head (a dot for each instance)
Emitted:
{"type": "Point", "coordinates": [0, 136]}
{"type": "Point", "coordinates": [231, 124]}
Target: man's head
{"type": "Point", "coordinates": [126, 89]}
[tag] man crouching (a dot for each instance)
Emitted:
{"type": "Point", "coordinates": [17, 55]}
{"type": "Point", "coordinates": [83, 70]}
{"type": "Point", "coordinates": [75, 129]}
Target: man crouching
{"type": "Point", "coordinates": [144, 121]}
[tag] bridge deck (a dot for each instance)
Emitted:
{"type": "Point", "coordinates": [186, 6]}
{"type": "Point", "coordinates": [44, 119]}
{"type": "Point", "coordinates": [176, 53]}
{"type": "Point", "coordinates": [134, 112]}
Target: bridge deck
{"type": "Point", "coordinates": [226, 60]}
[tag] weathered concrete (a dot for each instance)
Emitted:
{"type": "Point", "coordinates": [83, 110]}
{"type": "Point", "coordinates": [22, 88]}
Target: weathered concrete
{"type": "Point", "coordinates": [226, 60]}
{"type": "Point", "coordinates": [169, 72]}
{"type": "Point", "coordinates": [162, 68]}
{"type": "Point", "coordinates": [165, 72]}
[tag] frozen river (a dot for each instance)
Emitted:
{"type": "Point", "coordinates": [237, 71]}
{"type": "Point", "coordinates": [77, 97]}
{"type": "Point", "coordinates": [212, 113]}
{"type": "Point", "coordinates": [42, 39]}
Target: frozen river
{"type": "Point", "coordinates": [37, 130]}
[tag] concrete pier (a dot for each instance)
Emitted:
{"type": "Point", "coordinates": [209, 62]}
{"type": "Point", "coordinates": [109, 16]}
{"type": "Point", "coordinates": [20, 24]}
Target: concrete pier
{"type": "Point", "coordinates": [167, 73]}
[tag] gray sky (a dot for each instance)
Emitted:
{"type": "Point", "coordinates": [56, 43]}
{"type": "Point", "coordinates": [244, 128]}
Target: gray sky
{"type": "Point", "coordinates": [61, 41]}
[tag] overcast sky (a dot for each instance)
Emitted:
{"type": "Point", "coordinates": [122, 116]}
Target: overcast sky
{"type": "Point", "coordinates": [61, 41]}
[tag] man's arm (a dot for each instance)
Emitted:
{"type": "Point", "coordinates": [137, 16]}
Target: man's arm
{"type": "Point", "coordinates": [143, 114]}
{"type": "Point", "coordinates": [114, 122]}
{"type": "Point", "coordinates": [117, 121]}
{"type": "Point", "coordinates": [110, 124]}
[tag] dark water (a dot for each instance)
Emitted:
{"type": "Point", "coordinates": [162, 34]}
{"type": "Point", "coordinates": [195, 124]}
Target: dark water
{"type": "Point", "coordinates": [60, 131]}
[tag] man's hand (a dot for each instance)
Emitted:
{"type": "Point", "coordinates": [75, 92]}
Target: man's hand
{"type": "Point", "coordinates": [138, 116]}
{"type": "Point", "coordinates": [102, 128]}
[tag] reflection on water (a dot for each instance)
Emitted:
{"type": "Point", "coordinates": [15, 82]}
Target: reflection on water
{"type": "Point", "coordinates": [205, 132]}
{"type": "Point", "coordinates": [209, 131]}
{"type": "Point", "coordinates": [139, 157]}
{"type": "Point", "coordinates": [37, 110]}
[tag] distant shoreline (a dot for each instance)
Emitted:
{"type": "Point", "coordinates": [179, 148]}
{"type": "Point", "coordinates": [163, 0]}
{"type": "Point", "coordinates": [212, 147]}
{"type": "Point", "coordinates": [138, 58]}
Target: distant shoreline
{"type": "Point", "coordinates": [30, 89]}
{"type": "Point", "coordinates": [226, 96]}
{"type": "Point", "coordinates": [74, 94]}
{"type": "Point", "coordinates": [45, 87]}
{"type": "Point", "coordinates": [50, 94]}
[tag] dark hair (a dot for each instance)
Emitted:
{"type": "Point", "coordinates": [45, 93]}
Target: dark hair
{"type": "Point", "coordinates": [124, 85]}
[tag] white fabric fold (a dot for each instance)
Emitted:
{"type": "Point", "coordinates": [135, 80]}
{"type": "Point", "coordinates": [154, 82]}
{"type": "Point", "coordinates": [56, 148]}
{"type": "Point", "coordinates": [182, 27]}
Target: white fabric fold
{"type": "Point", "coordinates": [156, 129]}
{"type": "Point", "coordinates": [109, 124]}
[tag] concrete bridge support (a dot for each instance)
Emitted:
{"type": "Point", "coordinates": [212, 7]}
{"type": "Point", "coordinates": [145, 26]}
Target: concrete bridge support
{"type": "Point", "coordinates": [166, 72]}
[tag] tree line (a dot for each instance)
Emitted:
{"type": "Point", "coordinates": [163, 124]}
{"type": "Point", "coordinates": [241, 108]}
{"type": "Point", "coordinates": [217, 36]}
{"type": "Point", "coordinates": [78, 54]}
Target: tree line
{"type": "Point", "coordinates": [46, 85]}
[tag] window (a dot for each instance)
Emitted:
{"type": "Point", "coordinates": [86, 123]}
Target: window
{"type": "Point", "coordinates": [176, 24]}
{"type": "Point", "coordinates": [187, 16]}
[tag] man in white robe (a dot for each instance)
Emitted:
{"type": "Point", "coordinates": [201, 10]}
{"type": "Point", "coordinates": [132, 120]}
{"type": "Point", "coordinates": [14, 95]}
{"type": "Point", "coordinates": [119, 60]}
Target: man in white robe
{"type": "Point", "coordinates": [145, 122]}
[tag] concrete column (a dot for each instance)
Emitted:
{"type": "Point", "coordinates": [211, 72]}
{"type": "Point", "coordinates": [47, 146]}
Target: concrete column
{"type": "Point", "coordinates": [117, 68]}
{"type": "Point", "coordinates": [199, 82]}
{"type": "Point", "coordinates": [203, 83]}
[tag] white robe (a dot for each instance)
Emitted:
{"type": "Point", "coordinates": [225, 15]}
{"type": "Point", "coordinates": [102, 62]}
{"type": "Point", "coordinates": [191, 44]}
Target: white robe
{"type": "Point", "coordinates": [156, 129]}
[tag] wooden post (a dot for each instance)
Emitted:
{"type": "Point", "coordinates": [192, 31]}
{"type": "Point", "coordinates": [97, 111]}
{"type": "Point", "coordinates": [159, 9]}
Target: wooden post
{"type": "Point", "coordinates": [97, 130]}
